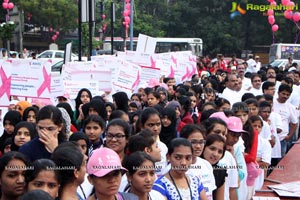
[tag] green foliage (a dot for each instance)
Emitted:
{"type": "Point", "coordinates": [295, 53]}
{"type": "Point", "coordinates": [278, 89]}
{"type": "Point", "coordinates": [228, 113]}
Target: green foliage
{"type": "Point", "coordinates": [59, 14]}
{"type": "Point", "coordinates": [206, 19]}
{"type": "Point", "coordinates": [6, 30]}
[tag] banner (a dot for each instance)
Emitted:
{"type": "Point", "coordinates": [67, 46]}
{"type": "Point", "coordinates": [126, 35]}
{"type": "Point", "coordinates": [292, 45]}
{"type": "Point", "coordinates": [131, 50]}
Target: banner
{"type": "Point", "coordinates": [5, 82]}
{"type": "Point", "coordinates": [30, 78]}
{"type": "Point", "coordinates": [95, 76]}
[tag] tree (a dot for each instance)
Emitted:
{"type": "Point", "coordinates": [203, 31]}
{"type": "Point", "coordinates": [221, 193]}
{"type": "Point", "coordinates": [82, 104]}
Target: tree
{"type": "Point", "coordinates": [60, 14]}
{"type": "Point", "coordinates": [6, 30]}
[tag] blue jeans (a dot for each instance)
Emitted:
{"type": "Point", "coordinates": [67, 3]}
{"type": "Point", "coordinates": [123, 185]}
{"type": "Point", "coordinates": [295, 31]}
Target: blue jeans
{"type": "Point", "coordinates": [283, 148]}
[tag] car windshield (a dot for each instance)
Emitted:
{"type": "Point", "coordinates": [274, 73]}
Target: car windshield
{"type": "Point", "coordinates": [276, 63]}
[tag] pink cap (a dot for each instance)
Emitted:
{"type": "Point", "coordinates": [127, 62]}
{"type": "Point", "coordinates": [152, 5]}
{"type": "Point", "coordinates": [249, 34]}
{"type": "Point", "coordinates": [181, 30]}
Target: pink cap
{"type": "Point", "coordinates": [220, 115]}
{"type": "Point", "coordinates": [153, 82]}
{"type": "Point", "coordinates": [104, 161]}
{"type": "Point", "coordinates": [235, 124]}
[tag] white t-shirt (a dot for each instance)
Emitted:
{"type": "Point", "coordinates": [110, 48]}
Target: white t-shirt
{"type": "Point", "coordinates": [231, 181]}
{"type": "Point", "coordinates": [266, 131]}
{"type": "Point", "coordinates": [288, 115]}
{"type": "Point", "coordinates": [264, 151]}
{"type": "Point", "coordinates": [276, 122]}
{"type": "Point", "coordinates": [204, 171]}
{"type": "Point", "coordinates": [255, 91]}
{"type": "Point", "coordinates": [251, 66]}
{"type": "Point", "coordinates": [154, 195]}
{"type": "Point", "coordinates": [239, 149]}
{"type": "Point", "coordinates": [159, 166]}
{"type": "Point", "coordinates": [246, 84]}
{"type": "Point", "coordinates": [230, 95]}
{"type": "Point", "coordinates": [86, 187]}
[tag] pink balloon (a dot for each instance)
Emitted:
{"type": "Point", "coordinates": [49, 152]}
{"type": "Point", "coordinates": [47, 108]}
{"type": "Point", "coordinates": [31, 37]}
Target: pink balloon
{"type": "Point", "coordinates": [125, 13]}
{"type": "Point", "coordinates": [103, 16]}
{"type": "Point", "coordinates": [275, 28]}
{"type": "Point", "coordinates": [50, 29]}
{"type": "Point", "coordinates": [10, 5]}
{"type": "Point", "coordinates": [270, 12]}
{"type": "Point", "coordinates": [273, 4]}
{"type": "Point", "coordinates": [5, 5]}
{"type": "Point", "coordinates": [290, 5]}
{"type": "Point", "coordinates": [127, 1]}
{"type": "Point", "coordinates": [57, 33]}
{"type": "Point", "coordinates": [127, 6]}
{"type": "Point", "coordinates": [271, 1]}
{"type": "Point", "coordinates": [285, 2]}
{"type": "Point", "coordinates": [127, 19]}
{"type": "Point", "coordinates": [296, 16]}
{"type": "Point", "coordinates": [288, 14]}
{"type": "Point", "coordinates": [271, 19]}
{"type": "Point", "coordinates": [6, 1]}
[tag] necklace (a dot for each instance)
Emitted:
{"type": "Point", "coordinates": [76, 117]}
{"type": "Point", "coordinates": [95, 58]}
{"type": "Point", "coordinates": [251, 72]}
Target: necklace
{"type": "Point", "coordinates": [172, 179]}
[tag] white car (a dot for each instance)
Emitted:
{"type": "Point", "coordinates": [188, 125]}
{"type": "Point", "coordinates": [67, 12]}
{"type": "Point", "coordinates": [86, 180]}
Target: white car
{"type": "Point", "coordinates": [281, 63]}
{"type": "Point", "coordinates": [55, 56]}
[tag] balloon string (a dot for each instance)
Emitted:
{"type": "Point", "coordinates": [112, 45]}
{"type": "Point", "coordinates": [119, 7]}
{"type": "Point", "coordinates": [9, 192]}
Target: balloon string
{"type": "Point", "coordinates": [273, 37]}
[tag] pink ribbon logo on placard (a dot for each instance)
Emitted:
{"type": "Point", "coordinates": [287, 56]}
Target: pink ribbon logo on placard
{"type": "Point", "coordinates": [193, 70]}
{"type": "Point", "coordinates": [5, 88]}
{"type": "Point", "coordinates": [45, 84]}
{"type": "Point", "coordinates": [174, 60]}
{"type": "Point", "coordinates": [136, 82]}
{"type": "Point", "coordinates": [172, 74]}
{"type": "Point", "coordinates": [187, 74]}
{"type": "Point", "coordinates": [153, 63]}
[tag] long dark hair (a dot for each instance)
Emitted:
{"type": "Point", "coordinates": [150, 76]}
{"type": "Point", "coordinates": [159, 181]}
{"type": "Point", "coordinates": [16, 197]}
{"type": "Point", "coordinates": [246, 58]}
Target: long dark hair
{"type": "Point", "coordinates": [55, 115]}
{"type": "Point", "coordinates": [78, 100]}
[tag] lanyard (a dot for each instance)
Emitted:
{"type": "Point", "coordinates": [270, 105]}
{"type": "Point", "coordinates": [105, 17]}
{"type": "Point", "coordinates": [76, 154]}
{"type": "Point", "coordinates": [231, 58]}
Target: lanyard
{"type": "Point", "coordinates": [172, 179]}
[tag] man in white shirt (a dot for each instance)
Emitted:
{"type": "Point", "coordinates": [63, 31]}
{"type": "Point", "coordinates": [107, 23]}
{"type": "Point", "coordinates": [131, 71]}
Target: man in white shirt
{"type": "Point", "coordinates": [251, 65]}
{"type": "Point", "coordinates": [258, 64]}
{"type": "Point", "coordinates": [256, 84]}
{"type": "Point", "coordinates": [288, 115]}
{"type": "Point", "coordinates": [229, 92]}
{"type": "Point", "coordinates": [271, 76]}
{"type": "Point", "coordinates": [241, 68]}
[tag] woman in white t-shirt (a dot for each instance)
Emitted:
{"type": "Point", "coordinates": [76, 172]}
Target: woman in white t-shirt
{"type": "Point", "coordinates": [141, 175]}
{"type": "Point", "coordinates": [264, 151]}
{"type": "Point", "coordinates": [200, 167]}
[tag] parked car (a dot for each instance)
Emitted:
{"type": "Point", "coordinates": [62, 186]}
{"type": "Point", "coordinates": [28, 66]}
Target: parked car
{"type": "Point", "coordinates": [281, 63]}
{"type": "Point", "coordinates": [54, 56]}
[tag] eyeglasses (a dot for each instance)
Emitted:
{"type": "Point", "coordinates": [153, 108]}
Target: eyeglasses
{"type": "Point", "coordinates": [195, 142]}
{"type": "Point", "coordinates": [110, 136]}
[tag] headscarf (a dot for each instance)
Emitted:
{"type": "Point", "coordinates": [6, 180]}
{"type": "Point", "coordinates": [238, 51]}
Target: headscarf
{"type": "Point", "coordinates": [13, 117]}
{"type": "Point", "coordinates": [170, 132]}
{"type": "Point", "coordinates": [22, 124]}
{"type": "Point", "coordinates": [27, 110]}
{"type": "Point", "coordinates": [23, 105]}
{"type": "Point", "coordinates": [67, 120]}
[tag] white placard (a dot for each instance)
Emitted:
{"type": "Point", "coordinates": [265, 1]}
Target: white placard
{"type": "Point", "coordinates": [30, 78]}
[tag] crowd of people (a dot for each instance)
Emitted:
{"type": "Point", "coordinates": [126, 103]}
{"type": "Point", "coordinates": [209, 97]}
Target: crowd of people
{"type": "Point", "coordinates": [216, 136]}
